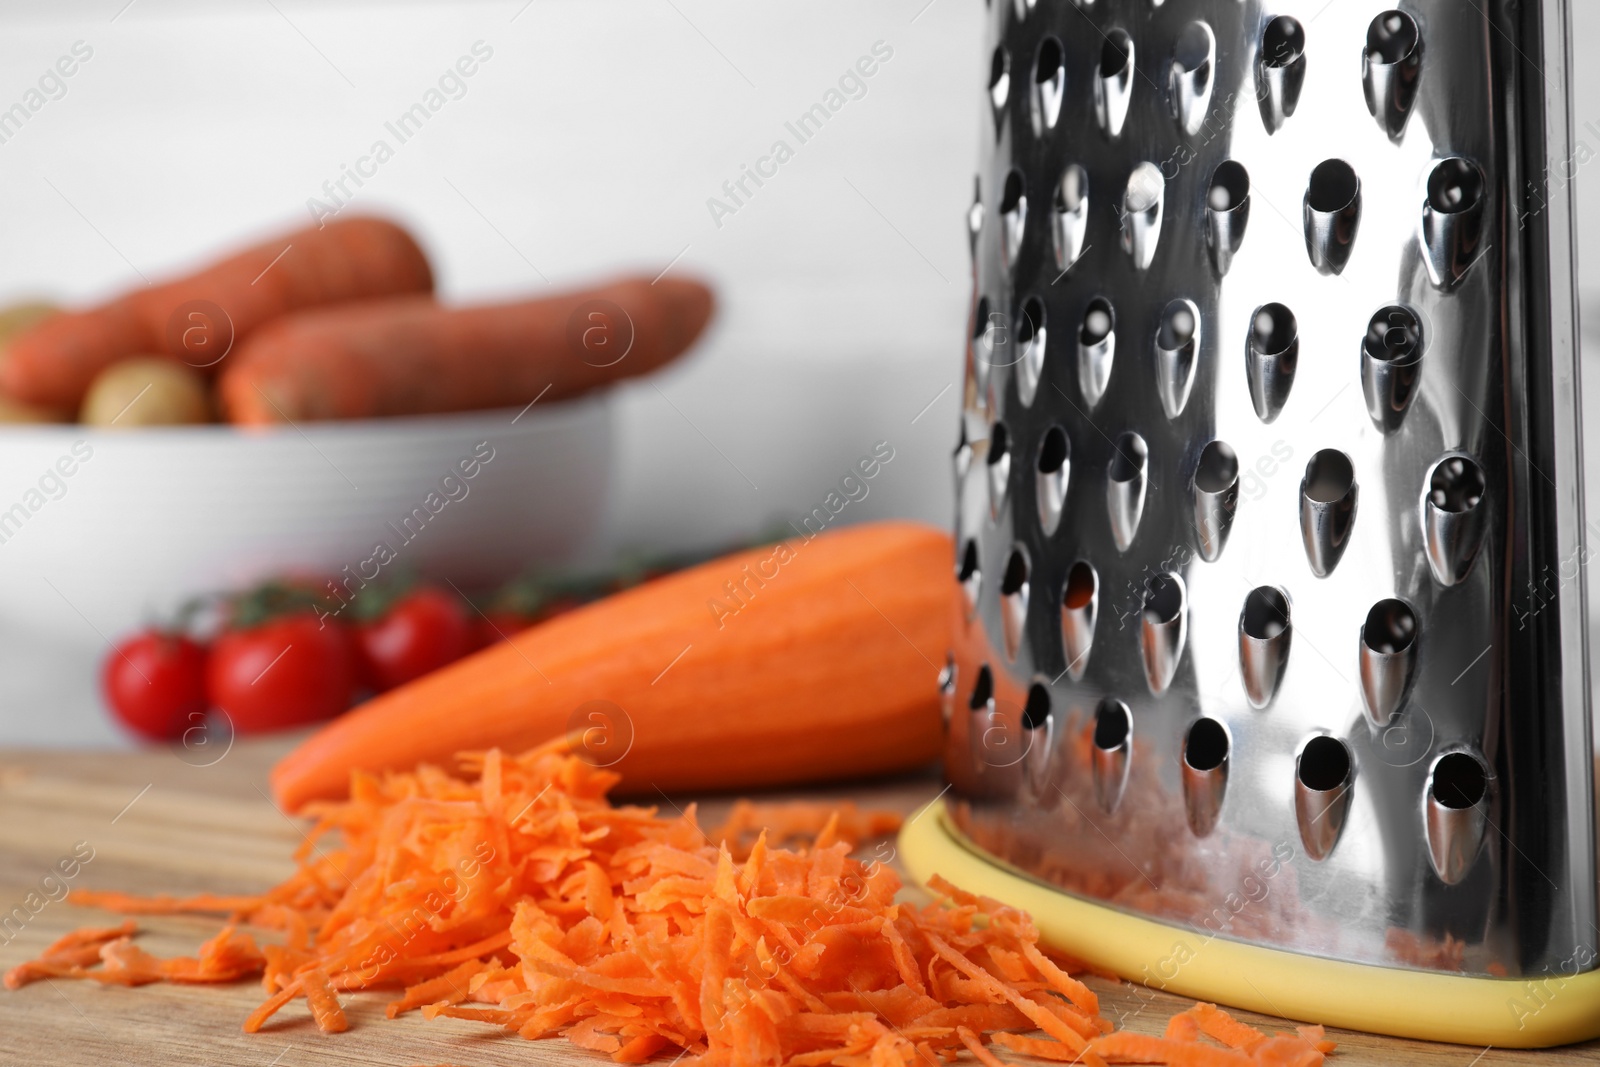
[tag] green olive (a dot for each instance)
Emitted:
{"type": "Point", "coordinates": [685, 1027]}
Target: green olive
{"type": "Point", "coordinates": [146, 391]}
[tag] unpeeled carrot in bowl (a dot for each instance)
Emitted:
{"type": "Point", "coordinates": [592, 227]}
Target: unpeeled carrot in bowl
{"type": "Point", "coordinates": [411, 356]}
{"type": "Point", "coordinates": [801, 662]}
{"type": "Point", "coordinates": [52, 363]}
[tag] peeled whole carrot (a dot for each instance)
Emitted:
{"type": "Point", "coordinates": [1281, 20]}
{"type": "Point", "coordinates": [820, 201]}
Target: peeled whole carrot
{"type": "Point", "coordinates": [412, 356]}
{"type": "Point", "coordinates": [52, 363]}
{"type": "Point", "coordinates": [826, 671]}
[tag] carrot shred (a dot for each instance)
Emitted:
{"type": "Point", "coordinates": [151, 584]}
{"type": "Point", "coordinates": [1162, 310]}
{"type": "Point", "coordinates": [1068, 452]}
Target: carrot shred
{"type": "Point", "coordinates": [514, 894]}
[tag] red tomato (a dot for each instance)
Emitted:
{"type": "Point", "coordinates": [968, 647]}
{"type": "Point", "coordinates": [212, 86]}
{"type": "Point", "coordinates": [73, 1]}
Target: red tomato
{"type": "Point", "coordinates": [291, 669]}
{"type": "Point", "coordinates": [155, 683]}
{"type": "Point", "coordinates": [423, 630]}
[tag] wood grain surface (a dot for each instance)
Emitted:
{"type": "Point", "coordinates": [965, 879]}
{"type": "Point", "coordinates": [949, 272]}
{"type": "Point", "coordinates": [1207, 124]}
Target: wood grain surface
{"type": "Point", "coordinates": [173, 821]}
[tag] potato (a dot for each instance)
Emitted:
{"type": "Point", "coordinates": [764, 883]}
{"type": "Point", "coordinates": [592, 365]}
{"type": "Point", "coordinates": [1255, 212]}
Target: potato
{"type": "Point", "coordinates": [13, 320]}
{"type": "Point", "coordinates": [146, 391]}
{"type": "Point", "coordinates": [18, 317]}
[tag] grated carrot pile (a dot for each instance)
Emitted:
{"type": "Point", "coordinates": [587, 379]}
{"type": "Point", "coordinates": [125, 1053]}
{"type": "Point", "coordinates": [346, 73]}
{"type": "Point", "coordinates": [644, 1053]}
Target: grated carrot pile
{"type": "Point", "coordinates": [521, 898]}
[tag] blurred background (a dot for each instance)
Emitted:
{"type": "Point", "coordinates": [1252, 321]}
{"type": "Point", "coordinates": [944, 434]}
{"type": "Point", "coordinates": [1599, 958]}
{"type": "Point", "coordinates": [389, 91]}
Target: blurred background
{"type": "Point", "coordinates": [590, 140]}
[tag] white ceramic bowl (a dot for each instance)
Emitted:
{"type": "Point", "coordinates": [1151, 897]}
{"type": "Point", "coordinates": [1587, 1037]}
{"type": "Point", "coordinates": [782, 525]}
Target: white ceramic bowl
{"type": "Point", "coordinates": [100, 530]}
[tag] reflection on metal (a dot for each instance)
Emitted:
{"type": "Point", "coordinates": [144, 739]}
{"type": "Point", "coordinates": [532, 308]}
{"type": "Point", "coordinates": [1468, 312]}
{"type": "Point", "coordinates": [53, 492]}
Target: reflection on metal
{"type": "Point", "coordinates": [1080, 602]}
{"type": "Point", "coordinates": [1327, 509]}
{"type": "Point", "coordinates": [1391, 364]}
{"type": "Point", "coordinates": [1113, 748]}
{"type": "Point", "coordinates": [1097, 348]}
{"type": "Point", "coordinates": [1280, 70]}
{"type": "Point", "coordinates": [1177, 353]}
{"type": "Point", "coordinates": [1227, 212]}
{"type": "Point", "coordinates": [1163, 628]}
{"type": "Point", "coordinates": [1205, 774]}
{"type": "Point", "coordinates": [1141, 214]}
{"type": "Point", "coordinates": [1332, 215]}
{"type": "Point", "coordinates": [1456, 809]}
{"type": "Point", "coordinates": [1388, 657]}
{"type": "Point", "coordinates": [1125, 479]}
{"type": "Point", "coordinates": [1050, 477]}
{"type": "Point", "coordinates": [1272, 354]}
{"type": "Point", "coordinates": [1191, 75]}
{"type": "Point", "coordinates": [1452, 220]}
{"type": "Point", "coordinates": [1114, 85]}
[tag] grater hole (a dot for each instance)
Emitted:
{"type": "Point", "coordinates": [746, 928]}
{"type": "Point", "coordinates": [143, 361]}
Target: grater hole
{"type": "Point", "coordinates": [1218, 469]}
{"type": "Point", "coordinates": [1392, 37]}
{"type": "Point", "coordinates": [1266, 612]}
{"type": "Point", "coordinates": [1273, 330]}
{"type": "Point", "coordinates": [1459, 780]}
{"type": "Point", "coordinates": [1081, 585]}
{"type": "Point", "coordinates": [1178, 325]}
{"type": "Point", "coordinates": [1053, 450]}
{"type": "Point", "coordinates": [1163, 598]}
{"type": "Point", "coordinates": [1011, 197]}
{"type": "Point", "coordinates": [1145, 185]}
{"type": "Point", "coordinates": [968, 570]}
{"type": "Point", "coordinates": [1072, 190]}
{"type": "Point", "coordinates": [1324, 763]}
{"type": "Point", "coordinates": [1206, 745]}
{"type": "Point", "coordinates": [1455, 185]}
{"type": "Point", "coordinates": [1334, 186]}
{"type": "Point", "coordinates": [1030, 319]}
{"type": "Point", "coordinates": [1129, 462]}
{"type": "Point", "coordinates": [1098, 320]}
{"type": "Point", "coordinates": [947, 674]}
{"type": "Point", "coordinates": [980, 321]}
{"type": "Point", "coordinates": [982, 689]}
{"type": "Point", "coordinates": [1391, 627]}
{"type": "Point", "coordinates": [1394, 334]}
{"type": "Point", "coordinates": [1329, 476]}
{"type": "Point", "coordinates": [1048, 64]}
{"type": "Point", "coordinates": [1230, 185]}
{"type": "Point", "coordinates": [1194, 47]}
{"type": "Point", "coordinates": [999, 76]}
{"type": "Point", "coordinates": [1115, 53]}
{"type": "Point", "coordinates": [999, 443]}
{"type": "Point", "coordinates": [1015, 579]}
{"type": "Point", "coordinates": [1283, 42]}
{"type": "Point", "coordinates": [1036, 710]}
{"type": "Point", "coordinates": [1457, 485]}
{"type": "Point", "coordinates": [1112, 724]}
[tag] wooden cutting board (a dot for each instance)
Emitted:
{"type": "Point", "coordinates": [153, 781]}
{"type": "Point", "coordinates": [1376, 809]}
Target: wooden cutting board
{"type": "Point", "coordinates": [163, 821]}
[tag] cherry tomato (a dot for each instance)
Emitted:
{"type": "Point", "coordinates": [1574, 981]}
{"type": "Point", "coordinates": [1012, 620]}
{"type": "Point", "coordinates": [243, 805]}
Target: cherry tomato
{"type": "Point", "coordinates": [155, 683]}
{"type": "Point", "coordinates": [421, 632]}
{"type": "Point", "coordinates": [286, 671]}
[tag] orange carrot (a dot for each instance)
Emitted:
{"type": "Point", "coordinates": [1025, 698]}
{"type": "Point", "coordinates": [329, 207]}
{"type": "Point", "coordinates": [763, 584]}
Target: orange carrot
{"type": "Point", "coordinates": [631, 933]}
{"type": "Point", "coordinates": [53, 362]}
{"type": "Point", "coordinates": [820, 669]}
{"type": "Point", "coordinates": [1214, 1022]}
{"type": "Point", "coordinates": [410, 356]}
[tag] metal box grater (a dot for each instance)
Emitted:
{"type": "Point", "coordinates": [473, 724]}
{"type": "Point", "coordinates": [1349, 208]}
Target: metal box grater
{"type": "Point", "coordinates": [1270, 532]}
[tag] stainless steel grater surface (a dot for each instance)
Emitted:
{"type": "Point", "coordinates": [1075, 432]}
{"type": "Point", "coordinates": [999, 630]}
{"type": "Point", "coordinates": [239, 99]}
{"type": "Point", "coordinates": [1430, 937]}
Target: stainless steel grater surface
{"type": "Point", "coordinates": [1269, 532]}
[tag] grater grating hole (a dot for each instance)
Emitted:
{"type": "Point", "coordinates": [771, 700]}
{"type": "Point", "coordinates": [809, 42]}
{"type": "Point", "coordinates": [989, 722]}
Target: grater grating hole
{"type": "Point", "coordinates": [1455, 185]}
{"type": "Point", "coordinates": [1145, 186]}
{"type": "Point", "coordinates": [1011, 196]}
{"type": "Point", "coordinates": [1129, 462]}
{"type": "Point", "coordinates": [1178, 325]}
{"type": "Point", "coordinates": [1031, 332]}
{"type": "Point", "coordinates": [1115, 53]}
{"type": "Point", "coordinates": [1036, 710]}
{"type": "Point", "coordinates": [1080, 588]}
{"type": "Point", "coordinates": [1048, 64]}
{"type": "Point", "coordinates": [980, 320]}
{"type": "Point", "coordinates": [999, 444]}
{"type": "Point", "coordinates": [1015, 579]}
{"type": "Point", "coordinates": [1457, 485]}
{"type": "Point", "coordinates": [947, 674]}
{"type": "Point", "coordinates": [1324, 763]}
{"type": "Point", "coordinates": [1394, 334]}
{"type": "Point", "coordinates": [999, 78]}
{"type": "Point", "coordinates": [1274, 330]}
{"type": "Point", "coordinates": [975, 212]}
{"type": "Point", "coordinates": [1194, 47]}
{"type": "Point", "coordinates": [1334, 186]}
{"type": "Point", "coordinates": [1098, 321]}
{"type": "Point", "coordinates": [1283, 42]}
{"type": "Point", "coordinates": [1459, 780]}
{"type": "Point", "coordinates": [1230, 185]}
{"type": "Point", "coordinates": [982, 690]}
{"type": "Point", "coordinates": [1112, 724]}
{"type": "Point", "coordinates": [1266, 612]}
{"type": "Point", "coordinates": [1053, 450]}
{"type": "Point", "coordinates": [967, 572]}
{"type": "Point", "coordinates": [1218, 469]}
{"type": "Point", "coordinates": [1163, 598]}
{"type": "Point", "coordinates": [1329, 476]}
{"type": "Point", "coordinates": [1392, 37]}
{"type": "Point", "coordinates": [1391, 627]}
{"type": "Point", "coordinates": [1206, 745]}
